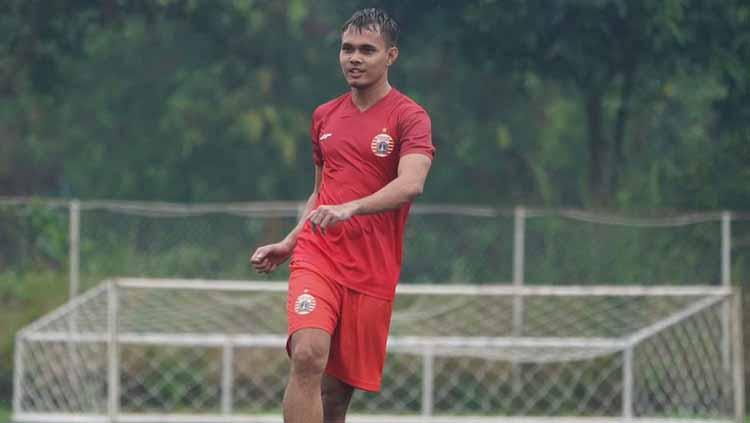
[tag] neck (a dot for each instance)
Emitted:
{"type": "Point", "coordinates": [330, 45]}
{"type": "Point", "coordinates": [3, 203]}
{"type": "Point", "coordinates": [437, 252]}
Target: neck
{"type": "Point", "coordinates": [364, 98]}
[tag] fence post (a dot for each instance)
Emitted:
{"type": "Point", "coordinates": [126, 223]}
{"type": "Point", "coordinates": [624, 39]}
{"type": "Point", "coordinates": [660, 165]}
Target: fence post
{"type": "Point", "coordinates": [627, 384]}
{"type": "Point", "coordinates": [428, 380]}
{"type": "Point", "coordinates": [726, 248]}
{"type": "Point", "coordinates": [227, 377]}
{"type": "Point", "coordinates": [519, 238]}
{"type": "Point", "coordinates": [726, 281]}
{"type": "Point", "coordinates": [74, 253]}
{"type": "Point", "coordinates": [113, 353]}
{"type": "Point", "coordinates": [739, 371]}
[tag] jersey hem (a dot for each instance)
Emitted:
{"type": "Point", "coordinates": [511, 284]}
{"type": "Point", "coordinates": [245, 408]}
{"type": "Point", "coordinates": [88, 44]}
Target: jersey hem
{"type": "Point", "coordinates": [304, 264]}
{"type": "Point", "coordinates": [361, 385]}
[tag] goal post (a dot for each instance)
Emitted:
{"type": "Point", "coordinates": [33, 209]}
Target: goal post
{"type": "Point", "coordinates": [168, 350]}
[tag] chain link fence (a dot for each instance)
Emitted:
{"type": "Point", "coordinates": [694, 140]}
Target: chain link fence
{"type": "Point", "coordinates": [97, 239]}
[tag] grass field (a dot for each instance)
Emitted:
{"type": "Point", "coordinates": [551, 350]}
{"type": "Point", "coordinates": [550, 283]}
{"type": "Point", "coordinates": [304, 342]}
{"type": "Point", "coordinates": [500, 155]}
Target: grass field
{"type": "Point", "coordinates": [23, 298]}
{"type": "Point", "coordinates": [4, 413]}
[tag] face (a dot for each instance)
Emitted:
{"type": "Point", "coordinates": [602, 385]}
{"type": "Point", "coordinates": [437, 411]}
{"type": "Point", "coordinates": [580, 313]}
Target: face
{"type": "Point", "coordinates": [365, 57]}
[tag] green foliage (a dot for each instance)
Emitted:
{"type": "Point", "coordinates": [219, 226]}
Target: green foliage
{"type": "Point", "coordinates": [541, 102]}
{"type": "Point", "coordinates": [33, 236]}
{"type": "Point", "coordinates": [619, 59]}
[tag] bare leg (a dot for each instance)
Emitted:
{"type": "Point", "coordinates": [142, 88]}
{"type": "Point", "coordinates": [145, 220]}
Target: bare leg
{"type": "Point", "coordinates": [309, 354]}
{"type": "Point", "coordinates": [336, 397]}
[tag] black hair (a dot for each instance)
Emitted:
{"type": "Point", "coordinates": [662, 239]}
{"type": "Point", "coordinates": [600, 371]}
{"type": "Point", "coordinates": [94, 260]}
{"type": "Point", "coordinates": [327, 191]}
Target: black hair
{"type": "Point", "coordinates": [375, 20]}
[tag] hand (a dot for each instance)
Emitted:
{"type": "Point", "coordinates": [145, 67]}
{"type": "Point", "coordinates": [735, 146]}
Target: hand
{"type": "Point", "coordinates": [325, 216]}
{"type": "Point", "coordinates": [268, 257]}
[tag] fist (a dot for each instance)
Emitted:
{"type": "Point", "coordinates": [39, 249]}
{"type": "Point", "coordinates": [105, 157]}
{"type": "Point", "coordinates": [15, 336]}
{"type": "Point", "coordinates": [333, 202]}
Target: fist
{"type": "Point", "coordinates": [269, 257]}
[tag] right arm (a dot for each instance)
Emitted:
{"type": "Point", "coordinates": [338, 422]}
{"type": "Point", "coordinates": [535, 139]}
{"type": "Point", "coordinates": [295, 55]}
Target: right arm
{"type": "Point", "coordinates": [268, 257]}
{"type": "Point", "coordinates": [309, 206]}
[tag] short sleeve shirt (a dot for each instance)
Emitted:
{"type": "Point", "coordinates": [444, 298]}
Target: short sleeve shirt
{"type": "Point", "coordinates": [359, 152]}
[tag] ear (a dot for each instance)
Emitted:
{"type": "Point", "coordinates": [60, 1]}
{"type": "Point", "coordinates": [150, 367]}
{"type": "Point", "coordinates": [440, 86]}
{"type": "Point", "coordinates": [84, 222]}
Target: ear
{"type": "Point", "coordinates": [392, 55]}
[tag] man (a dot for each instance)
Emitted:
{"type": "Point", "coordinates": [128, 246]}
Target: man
{"type": "Point", "coordinates": [372, 149]}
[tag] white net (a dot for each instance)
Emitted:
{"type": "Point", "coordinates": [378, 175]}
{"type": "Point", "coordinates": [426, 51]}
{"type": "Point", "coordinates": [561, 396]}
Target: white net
{"type": "Point", "coordinates": [178, 350]}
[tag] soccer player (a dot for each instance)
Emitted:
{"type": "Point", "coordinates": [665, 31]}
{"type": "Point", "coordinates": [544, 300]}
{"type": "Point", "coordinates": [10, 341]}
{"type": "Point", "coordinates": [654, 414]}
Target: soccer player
{"type": "Point", "coordinates": [372, 150]}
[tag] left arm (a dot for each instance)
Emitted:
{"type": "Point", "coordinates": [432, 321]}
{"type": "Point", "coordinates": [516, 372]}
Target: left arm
{"type": "Point", "coordinates": [408, 185]}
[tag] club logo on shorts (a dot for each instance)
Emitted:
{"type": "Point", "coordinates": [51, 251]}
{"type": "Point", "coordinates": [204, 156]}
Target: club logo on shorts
{"type": "Point", "coordinates": [382, 145]}
{"type": "Point", "coordinates": [305, 304]}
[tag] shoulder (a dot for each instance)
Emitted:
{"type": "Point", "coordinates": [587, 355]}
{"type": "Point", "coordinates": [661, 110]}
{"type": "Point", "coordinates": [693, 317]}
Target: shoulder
{"type": "Point", "coordinates": [409, 110]}
{"type": "Point", "coordinates": [329, 106]}
{"type": "Point", "coordinates": [406, 106]}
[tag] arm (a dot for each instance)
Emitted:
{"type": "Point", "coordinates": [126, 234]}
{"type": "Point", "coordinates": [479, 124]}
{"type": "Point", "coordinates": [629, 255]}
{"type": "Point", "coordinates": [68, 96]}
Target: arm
{"type": "Point", "coordinates": [309, 206]}
{"type": "Point", "coordinates": [268, 257]}
{"type": "Point", "coordinates": [409, 184]}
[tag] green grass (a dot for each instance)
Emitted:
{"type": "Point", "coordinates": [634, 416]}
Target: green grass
{"type": "Point", "coordinates": [23, 298]}
{"type": "Point", "coordinates": [4, 413]}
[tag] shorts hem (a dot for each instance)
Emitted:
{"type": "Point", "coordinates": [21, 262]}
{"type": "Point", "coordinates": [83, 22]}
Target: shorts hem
{"type": "Point", "coordinates": [364, 386]}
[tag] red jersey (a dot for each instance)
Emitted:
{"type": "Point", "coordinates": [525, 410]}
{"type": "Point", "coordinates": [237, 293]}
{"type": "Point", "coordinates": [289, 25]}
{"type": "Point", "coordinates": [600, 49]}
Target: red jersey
{"type": "Point", "coordinates": [359, 153]}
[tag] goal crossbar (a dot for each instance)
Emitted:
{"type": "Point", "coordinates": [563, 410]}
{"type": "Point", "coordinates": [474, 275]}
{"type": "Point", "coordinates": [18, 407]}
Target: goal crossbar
{"type": "Point", "coordinates": [495, 288]}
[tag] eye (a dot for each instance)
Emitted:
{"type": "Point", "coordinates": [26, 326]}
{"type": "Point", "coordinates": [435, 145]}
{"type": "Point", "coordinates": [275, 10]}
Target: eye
{"type": "Point", "coordinates": [346, 49]}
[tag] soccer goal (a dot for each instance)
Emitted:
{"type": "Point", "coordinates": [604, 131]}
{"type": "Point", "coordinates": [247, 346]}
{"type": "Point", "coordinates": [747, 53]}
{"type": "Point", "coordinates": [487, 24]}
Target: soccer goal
{"type": "Point", "coordinates": [145, 350]}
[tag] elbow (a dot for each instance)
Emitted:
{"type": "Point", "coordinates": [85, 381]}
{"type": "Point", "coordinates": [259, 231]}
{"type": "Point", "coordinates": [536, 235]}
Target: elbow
{"type": "Point", "coordinates": [415, 191]}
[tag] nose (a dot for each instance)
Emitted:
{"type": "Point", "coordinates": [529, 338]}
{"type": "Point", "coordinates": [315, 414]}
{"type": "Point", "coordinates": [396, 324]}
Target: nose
{"type": "Point", "coordinates": [355, 58]}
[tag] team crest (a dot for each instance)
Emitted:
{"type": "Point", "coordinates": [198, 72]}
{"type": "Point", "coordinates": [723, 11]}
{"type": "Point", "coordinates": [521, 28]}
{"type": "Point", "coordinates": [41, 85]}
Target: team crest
{"type": "Point", "coordinates": [382, 145]}
{"type": "Point", "coordinates": [305, 304]}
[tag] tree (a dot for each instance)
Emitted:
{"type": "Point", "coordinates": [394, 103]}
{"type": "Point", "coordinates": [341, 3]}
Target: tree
{"type": "Point", "coordinates": [615, 54]}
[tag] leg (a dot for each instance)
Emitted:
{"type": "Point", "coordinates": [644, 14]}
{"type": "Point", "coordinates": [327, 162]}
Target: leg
{"type": "Point", "coordinates": [309, 354]}
{"type": "Point", "coordinates": [336, 397]}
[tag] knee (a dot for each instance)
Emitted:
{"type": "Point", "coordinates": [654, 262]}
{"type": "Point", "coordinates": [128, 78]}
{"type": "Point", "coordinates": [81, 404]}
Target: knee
{"type": "Point", "coordinates": [308, 359]}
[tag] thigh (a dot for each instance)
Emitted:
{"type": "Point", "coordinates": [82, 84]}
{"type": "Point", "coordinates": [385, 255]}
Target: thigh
{"type": "Point", "coordinates": [313, 302]}
{"type": "Point", "coordinates": [358, 347]}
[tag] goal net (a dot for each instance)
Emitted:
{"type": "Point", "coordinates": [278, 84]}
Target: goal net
{"type": "Point", "coordinates": [166, 350]}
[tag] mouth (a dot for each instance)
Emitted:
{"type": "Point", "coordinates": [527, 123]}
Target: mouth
{"type": "Point", "coordinates": [355, 72]}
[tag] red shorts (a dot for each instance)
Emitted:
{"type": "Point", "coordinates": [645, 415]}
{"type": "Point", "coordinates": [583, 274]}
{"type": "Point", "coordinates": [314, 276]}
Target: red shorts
{"type": "Point", "coordinates": [358, 325]}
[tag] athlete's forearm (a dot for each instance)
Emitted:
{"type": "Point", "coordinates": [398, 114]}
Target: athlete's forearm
{"type": "Point", "coordinates": [309, 206]}
{"type": "Point", "coordinates": [392, 196]}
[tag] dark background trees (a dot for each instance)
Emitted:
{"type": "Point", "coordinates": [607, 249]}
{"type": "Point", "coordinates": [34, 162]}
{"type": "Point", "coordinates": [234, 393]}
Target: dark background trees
{"type": "Point", "coordinates": [607, 103]}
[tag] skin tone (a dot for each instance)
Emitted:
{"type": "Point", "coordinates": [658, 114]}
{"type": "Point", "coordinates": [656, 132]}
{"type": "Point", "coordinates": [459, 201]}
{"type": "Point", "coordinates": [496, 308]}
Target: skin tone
{"type": "Point", "coordinates": [311, 396]}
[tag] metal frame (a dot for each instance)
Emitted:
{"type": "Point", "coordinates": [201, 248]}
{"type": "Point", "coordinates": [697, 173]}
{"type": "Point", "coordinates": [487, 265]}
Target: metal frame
{"type": "Point", "coordinates": [227, 377]}
{"type": "Point", "coordinates": [427, 347]}
{"type": "Point", "coordinates": [18, 373]}
{"type": "Point", "coordinates": [218, 418]}
{"type": "Point", "coordinates": [627, 384]}
{"type": "Point", "coordinates": [74, 253]}
{"type": "Point", "coordinates": [494, 289]}
{"type": "Point", "coordinates": [401, 343]}
{"type": "Point", "coordinates": [726, 281]}
{"type": "Point", "coordinates": [113, 353]}
{"type": "Point", "coordinates": [738, 375]}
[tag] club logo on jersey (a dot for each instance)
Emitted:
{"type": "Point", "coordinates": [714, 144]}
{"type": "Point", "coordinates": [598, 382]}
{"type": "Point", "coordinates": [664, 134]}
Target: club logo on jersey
{"type": "Point", "coordinates": [305, 304]}
{"type": "Point", "coordinates": [382, 145]}
{"type": "Point", "coordinates": [325, 136]}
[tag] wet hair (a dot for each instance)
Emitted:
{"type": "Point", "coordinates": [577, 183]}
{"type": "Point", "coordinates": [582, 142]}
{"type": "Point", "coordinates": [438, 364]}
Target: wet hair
{"type": "Point", "coordinates": [374, 20]}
